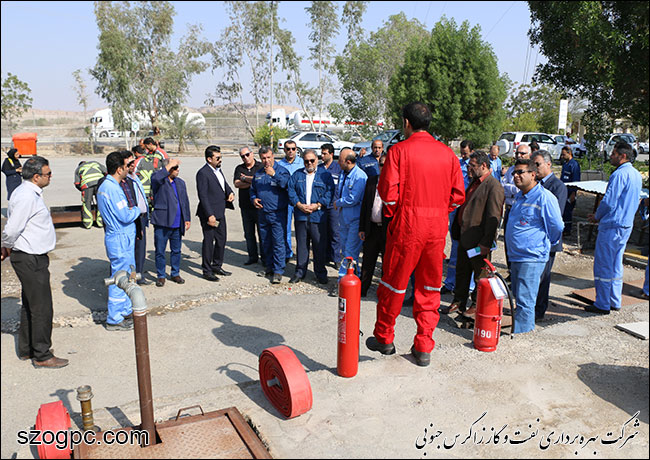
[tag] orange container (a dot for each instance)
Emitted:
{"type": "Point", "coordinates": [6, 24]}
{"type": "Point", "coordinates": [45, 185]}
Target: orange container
{"type": "Point", "coordinates": [25, 143]}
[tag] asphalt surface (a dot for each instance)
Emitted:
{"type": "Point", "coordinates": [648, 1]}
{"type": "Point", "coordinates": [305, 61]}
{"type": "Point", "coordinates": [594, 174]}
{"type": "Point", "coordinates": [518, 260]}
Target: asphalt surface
{"type": "Point", "coordinates": [545, 394]}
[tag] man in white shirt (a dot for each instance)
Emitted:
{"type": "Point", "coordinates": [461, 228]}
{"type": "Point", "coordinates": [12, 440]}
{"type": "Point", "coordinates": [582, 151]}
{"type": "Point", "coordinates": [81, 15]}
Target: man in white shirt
{"type": "Point", "coordinates": [27, 238]}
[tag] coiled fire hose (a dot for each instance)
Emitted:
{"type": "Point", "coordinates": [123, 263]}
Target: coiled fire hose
{"type": "Point", "coordinates": [284, 381]}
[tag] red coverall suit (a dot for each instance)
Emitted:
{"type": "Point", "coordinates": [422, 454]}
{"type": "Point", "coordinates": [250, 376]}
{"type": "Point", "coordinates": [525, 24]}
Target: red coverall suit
{"type": "Point", "coordinates": [420, 183]}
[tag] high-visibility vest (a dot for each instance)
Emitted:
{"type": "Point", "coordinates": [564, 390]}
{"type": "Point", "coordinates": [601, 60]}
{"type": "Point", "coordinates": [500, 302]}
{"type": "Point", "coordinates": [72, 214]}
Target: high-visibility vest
{"type": "Point", "coordinates": [88, 174]}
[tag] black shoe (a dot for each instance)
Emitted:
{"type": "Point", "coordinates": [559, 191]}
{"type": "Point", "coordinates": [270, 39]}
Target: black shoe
{"type": "Point", "coordinates": [125, 325]}
{"type": "Point", "coordinates": [222, 272]}
{"type": "Point", "coordinates": [445, 290]}
{"type": "Point", "coordinates": [384, 348]}
{"type": "Point", "coordinates": [277, 278]}
{"type": "Point", "coordinates": [422, 359]}
{"type": "Point", "coordinates": [143, 282]}
{"type": "Point", "coordinates": [334, 292]}
{"type": "Point", "coordinates": [592, 309]}
{"type": "Point", "coordinates": [295, 279]}
{"type": "Point", "coordinates": [265, 273]}
{"type": "Point", "coordinates": [210, 277]}
{"type": "Point", "coordinates": [250, 262]}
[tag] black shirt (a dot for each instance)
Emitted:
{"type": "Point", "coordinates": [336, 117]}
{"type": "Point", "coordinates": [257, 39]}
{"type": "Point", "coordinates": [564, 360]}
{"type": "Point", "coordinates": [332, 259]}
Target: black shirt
{"type": "Point", "coordinates": [244, 193]}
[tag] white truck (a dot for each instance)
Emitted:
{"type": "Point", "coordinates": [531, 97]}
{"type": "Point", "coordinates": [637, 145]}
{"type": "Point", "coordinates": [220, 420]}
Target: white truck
{"type": "Point", "coordinates": [298, 121]}
{"type": "Point", "coordinates": [103, 125]}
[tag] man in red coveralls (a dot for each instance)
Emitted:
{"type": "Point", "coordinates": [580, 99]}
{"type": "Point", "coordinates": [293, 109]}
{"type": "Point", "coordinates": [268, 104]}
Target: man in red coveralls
{"type": "Point", "coordinates": [421, 183]}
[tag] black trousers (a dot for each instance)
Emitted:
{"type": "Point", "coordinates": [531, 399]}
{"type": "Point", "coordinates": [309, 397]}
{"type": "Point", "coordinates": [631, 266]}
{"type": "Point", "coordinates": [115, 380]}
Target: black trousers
{"type": "Point", "coordinates": [141, 247]}
{"type": "Point", "coordinates": [250, 223]}
{"type": "Point", "coordinates": [373, 245]}
{"type": "Point", "coordinates": [313, 232]}
{"type": "Point", "coordinates": [35, 334]}
{"type": "Point", "coordinates": [464, 269]}
{"type": "Point", "coordinates": [214, 246]}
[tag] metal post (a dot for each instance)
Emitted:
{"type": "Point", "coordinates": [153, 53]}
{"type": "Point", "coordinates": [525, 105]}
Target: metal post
{"type": "Point", "coordinates": [84, 396]}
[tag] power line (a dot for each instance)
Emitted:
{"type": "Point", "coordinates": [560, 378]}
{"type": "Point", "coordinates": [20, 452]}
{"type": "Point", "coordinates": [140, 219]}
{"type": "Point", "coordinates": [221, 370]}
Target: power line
{"type": "Point", "coordinates": [499, 20]}
{"type": "Point", "coordinates": [427, 15]}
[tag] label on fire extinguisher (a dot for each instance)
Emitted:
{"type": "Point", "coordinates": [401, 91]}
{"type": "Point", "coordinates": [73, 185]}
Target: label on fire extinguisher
{"type": "Point", "coordinates": [342, 320]}
{"type": "Point", "coordinates": [498, 289]}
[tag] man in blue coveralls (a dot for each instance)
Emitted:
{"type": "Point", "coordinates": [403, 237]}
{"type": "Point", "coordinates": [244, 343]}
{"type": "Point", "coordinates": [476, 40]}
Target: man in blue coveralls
{"type": "Point", "coordinates": [369, 164]}
{"type": "Point", "coordinates": [291, 164]}
{"type": "Point", "coordinates": [615, 217]}
{"type": "Point", "coordinates": [352, 185]}
{"type": "Point", "coordinates": [119, 224]}
{"type": "Point", "coordinates": [268, 194]}
{"type": "Point", "coordinates": [570, 173]}
{"type": "Point", "coordinates": [535, 225]}
{"type": "Point", "coordinates": [333, 245]}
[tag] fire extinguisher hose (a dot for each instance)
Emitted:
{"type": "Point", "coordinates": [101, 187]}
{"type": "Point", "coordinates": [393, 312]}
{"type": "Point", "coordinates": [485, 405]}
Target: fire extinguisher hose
{"type": "Point", "coordinates": [512, 302]}
{"type": "Point", "coordinates": [284, 381]}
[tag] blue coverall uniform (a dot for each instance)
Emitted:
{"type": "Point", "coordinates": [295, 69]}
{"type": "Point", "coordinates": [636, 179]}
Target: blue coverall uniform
{"type": "Point", "coordinates": [273, 216]}
{"type": "Point", "coordinates": [535, 225]}
{"type": "Point", "coordinates": [369, 165]}
{"type": "Point", "coordinates": [119, 238]}
{"type": "Point", "coordinates": [351, 188]}
{"type": "Point", "coordinates": [333, 227]}
{"type": "Point", "coordinates": [292, 168]}
{"type": "Point", "coordinates": [615, 216]}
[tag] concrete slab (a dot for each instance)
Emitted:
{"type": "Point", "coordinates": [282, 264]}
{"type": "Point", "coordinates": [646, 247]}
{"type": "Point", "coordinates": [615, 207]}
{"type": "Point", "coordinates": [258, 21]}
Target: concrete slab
{"type": "Point", "coordinates": [640, 329]}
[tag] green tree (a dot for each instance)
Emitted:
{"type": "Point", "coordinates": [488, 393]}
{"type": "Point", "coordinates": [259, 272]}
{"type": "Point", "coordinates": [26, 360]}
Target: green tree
{"type": "Point", "coordinates": [455, 72]}
{"type": "Point", "coordinates": [180, 128]}
{"type": "Point", "coordinates": [290, 63]}
{"type": "Point", "coordinates": [81, 91]}
{"type": "Point", "coordinates": [136, 71]}
{"type": "Point", "coordinates": [242, 52]}
{"type": "Point", "coordinates": [597, 50]}
{"type": "Point", "coordinates": [324, 23]}
{"type": "Point", "coordinates": [263, 136]}
{"type": "Point", "coordinates": [533, 108]}
{"type": "Point", "coordinates": [16, 100]}
{"type": "Point", "coordinates": [367, 66]}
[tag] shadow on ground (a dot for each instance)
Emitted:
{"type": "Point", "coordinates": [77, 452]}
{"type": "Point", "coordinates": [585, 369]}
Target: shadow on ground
{"type": "Point", "coordinates": [626, 387]}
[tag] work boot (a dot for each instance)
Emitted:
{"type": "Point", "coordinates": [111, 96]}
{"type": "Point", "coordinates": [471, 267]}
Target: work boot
{"type": "Point", "coordinates": [384, 348]}
{"type": "Point", "coordinates": [422, 359]}
{"type": "Point", "coordinates": [125, 325]}
{"type": "Point", "coordinates": [277, 278]}
{"type": "Point", "coordinates": [160, 282]}
{"type": "Point", "coordinates": [455, 306]}
{"type": "Point", "coordinates": [52, 363]}
{"type": "Point", "coordinates": [177, 279]}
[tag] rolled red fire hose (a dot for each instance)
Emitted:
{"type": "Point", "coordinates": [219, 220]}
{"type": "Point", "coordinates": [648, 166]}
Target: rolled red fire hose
{"type": "Point", "coordinates": [284, 381]}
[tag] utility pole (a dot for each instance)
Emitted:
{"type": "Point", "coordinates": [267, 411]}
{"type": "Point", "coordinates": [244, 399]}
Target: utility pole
{"type": "Point", "coordinates": [271, 88]}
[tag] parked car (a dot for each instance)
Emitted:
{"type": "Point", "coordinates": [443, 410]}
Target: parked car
{"type": "Point", "coordinates": [618, 137]}
{"type": "Point", "coordinates": [388, 137]}
{"type": "Point", "coordinates": [578, 149]}
{"type": "Point", "coordinates": [642, 147]}
{"type": "Point", "coordinates": [313, 140]}
{"type": "Point", "coordinates": [509, 141]}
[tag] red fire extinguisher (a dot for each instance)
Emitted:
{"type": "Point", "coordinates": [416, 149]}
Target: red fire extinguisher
{"type": "Point", "coordinates": [489, 311]}
{"type": "Point", "coordinates": [347, 362]}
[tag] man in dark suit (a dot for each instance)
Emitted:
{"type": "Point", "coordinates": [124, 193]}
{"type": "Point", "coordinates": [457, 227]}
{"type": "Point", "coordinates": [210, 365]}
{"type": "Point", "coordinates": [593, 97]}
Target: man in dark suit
{"type": "Point", "coordinates": [372, 229]}
{"type": "Point", "coordinates": [215, 195]}
{"type": "Point", "coordinates": [170, 218]}
{"type": "Point", "coordinates": [475, 226]}
{"type": "Point", "coordinates": [545, 176]}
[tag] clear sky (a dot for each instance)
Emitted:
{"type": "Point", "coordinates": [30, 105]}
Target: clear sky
{"type": "Point", "coordinates": [44, 42]}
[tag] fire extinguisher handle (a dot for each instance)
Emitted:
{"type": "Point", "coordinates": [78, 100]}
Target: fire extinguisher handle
{"type": "Point", "coordinates": [351, 261]}
{"type": "Point", "coordinates": [492, 269]}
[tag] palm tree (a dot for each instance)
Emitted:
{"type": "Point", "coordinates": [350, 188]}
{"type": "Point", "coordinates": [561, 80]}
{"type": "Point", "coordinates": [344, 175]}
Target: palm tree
{"type": "Point", "coordinates": [183, 130]}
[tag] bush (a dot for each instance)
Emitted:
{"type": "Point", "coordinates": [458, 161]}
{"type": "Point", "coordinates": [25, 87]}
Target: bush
{"type": "Point", "coordinates": [263, 136]}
